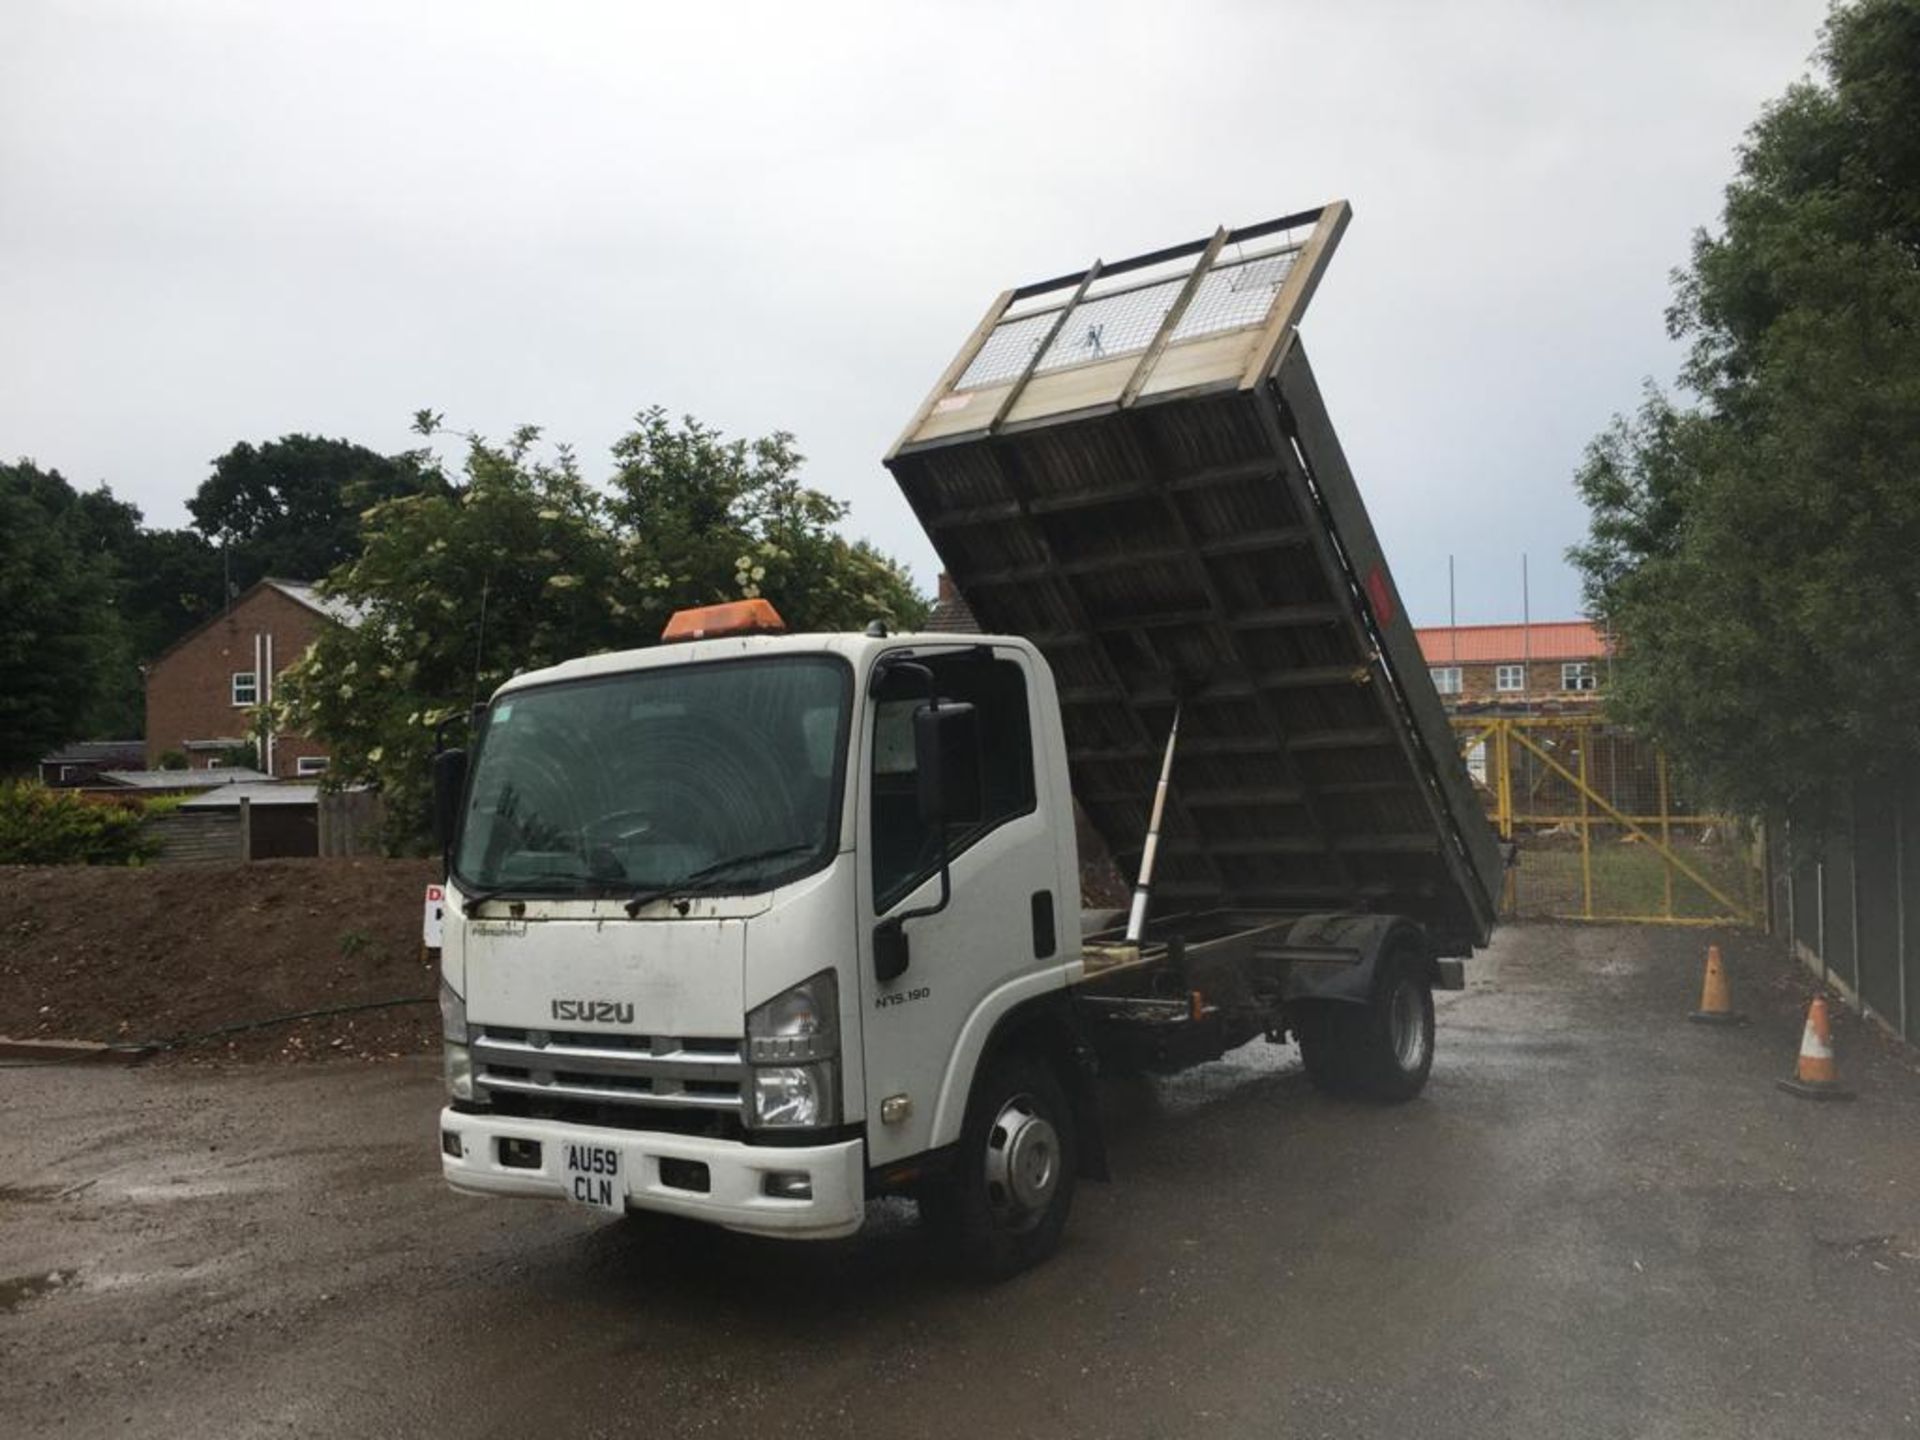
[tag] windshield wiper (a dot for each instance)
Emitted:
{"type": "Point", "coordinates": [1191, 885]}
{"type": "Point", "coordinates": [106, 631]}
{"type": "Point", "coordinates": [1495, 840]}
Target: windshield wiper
{"type": "Point", "coordinates": [640, 899]}
{"type": "Point", "coordinates": [470, 902]}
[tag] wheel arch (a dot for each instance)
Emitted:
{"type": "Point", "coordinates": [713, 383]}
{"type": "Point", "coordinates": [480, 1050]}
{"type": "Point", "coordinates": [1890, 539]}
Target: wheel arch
{"type": "Point", "coordinates": [1373, 937]}
{"type": "Point", "coordinates": [1042, 1026]}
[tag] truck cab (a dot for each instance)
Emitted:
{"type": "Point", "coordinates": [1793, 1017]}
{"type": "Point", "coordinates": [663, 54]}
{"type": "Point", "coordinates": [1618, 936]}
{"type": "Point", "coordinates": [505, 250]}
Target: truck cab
{"type": "Point", "coordinates": [708, 951]}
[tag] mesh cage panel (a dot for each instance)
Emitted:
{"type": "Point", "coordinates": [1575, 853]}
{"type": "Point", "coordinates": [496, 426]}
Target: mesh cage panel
{"type": "Point", "coordinates": [1231, 296]}
{"type": "Point", "coordinates": [1123, 323]}
{"type": "Point", "coordinates": [1235, 295]}
{"type": "Point", "coordinates": [1007, 351]}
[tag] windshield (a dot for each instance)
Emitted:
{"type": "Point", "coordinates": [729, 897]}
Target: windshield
{"type": "Point", "coordinates": [728, 772]}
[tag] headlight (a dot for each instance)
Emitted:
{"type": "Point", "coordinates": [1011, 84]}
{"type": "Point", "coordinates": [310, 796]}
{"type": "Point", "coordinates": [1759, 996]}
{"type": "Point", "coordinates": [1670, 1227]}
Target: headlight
{"type": "Point", "coordinates": [798, 1025]}
{"type": "Point", "coordinates": [453, 1050]}
{"type": "Point", "coordinates": [793, 1095]}
{"type": "Point", "coordinates": [459, 1067]}
{"type": "Point", "coordinates": [453, 1014]}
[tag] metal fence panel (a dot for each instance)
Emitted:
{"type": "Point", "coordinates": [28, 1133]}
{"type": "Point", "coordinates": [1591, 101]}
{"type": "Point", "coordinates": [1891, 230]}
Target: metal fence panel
{"type": "Point", "coordinates": [1875, 888]}
{"type": "Point", "coordinates": [1906, 903]}
{"type": "Point", "coordinates": [1852, 884]}
{"type": "Point", "coordinates": [1836, 903]}
{"type": "Point", "coordinates": [1803, 891]}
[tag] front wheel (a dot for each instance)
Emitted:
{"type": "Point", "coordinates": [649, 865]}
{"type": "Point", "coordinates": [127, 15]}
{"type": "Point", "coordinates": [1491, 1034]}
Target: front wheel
{"type": "Point", "coordinates": [1006, 1202]}
{"type": "Point", "coordinates": [1381, 1050]}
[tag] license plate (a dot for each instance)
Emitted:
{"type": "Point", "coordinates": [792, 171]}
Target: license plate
{"type": "Point", "coordinates": [592, 1174]}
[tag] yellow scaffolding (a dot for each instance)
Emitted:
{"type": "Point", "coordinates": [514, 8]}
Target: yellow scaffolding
{"type": "Point", "coordinates": [1552, 779]}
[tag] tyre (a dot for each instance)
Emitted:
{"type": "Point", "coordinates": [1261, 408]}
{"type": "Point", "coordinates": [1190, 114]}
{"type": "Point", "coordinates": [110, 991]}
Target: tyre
{"type": "Point", "coordinates": [1382, 1050]}
{"type": "Point", "coordinates": [1006, 1202]}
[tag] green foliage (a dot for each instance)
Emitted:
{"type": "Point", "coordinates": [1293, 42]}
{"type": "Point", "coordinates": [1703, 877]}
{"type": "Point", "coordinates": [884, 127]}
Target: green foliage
{"type": "Point", "coordinates": [290, 507]}
{"type": "Point", "coordinates": [245, 756]}
{"type": "Point", "coordinates": [170, 581]}
{"type": "Point", "coordinates": [171, 760]}
{"type": "Point", "coordinates": [520, 562]}
{"type": "Point", "coordinates": [39, 826]}
{"type": "Point", "coordinates": [131, 593]}
{"type": "Point", "coordinates": [699, 519]}
{"type": "Point", "coordinates": [61, 644]}
{"type": "Point", "coordinates": [1757, 551]}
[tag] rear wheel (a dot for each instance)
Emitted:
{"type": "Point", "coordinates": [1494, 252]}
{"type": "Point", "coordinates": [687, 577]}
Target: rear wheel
{"type": "Point", "coordinates": [1381, 1050]}
{"type": "Point", "coordinates": [1006, 1202]}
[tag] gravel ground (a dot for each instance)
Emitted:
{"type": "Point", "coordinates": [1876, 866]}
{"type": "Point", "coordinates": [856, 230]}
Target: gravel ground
{"type": "Point", "coordinates": [1599, 1221]}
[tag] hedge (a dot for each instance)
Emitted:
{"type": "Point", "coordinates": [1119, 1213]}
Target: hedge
{"type": "Point", "coordinates": [39, 826]}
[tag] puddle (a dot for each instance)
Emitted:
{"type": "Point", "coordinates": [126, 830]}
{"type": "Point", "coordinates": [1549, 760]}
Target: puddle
{"type": "Point", "coordinates": [172, 1275]}
{"type": "Point", "coordinates": [1222, 1079]}
{"type": "Point", "coordinates": [28, 1194]}
{"type": "Point", "coordinates": [181, 1188]}
{"type": "Point", "coordinates": [17, 1290]}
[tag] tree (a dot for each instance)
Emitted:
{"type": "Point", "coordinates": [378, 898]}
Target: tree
{"type": "Point", "coordinates": [164, 582]}
{"type": "Point", "coordinates": [170, 580]}
{"type": "Point", "coordinates": [700, 519]}
{"type": "Point", "coordinates": [291, 507]}
{"type": "Point", "coordinates": [160, 584]}
{"type": "Point", "coordinates": [519, 562]}
{"type": "Point", "coordinates": [61, 640]}
{"type": "Point", "coordinates": [1756, 550]}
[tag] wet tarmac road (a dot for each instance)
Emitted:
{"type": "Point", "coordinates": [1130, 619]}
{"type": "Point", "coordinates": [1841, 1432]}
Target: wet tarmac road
{"type": "Point", "coordinates": [1598, 1221]}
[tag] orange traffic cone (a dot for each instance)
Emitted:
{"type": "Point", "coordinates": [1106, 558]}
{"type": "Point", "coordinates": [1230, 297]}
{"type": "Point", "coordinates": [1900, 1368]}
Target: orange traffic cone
{"type": "Point", "coordinates": [1816, 1077]}
{"type": "Point", "coordinates": [1716, 1000]}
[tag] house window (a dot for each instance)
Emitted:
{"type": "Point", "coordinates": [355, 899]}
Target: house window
{"type": "Point", "coordinates": [1510, 678]}
{"type": "Point", "coordinates": [1577, 675]}
{"type": "Point", "coordinates": [310, 765]}
{"type": "Point", "coordinates": [1446, 679]}
{"type": "Point", "coordinates": [246, 690]}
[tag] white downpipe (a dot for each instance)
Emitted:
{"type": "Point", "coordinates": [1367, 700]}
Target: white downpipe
{"type": "Point", "coordinates": [259, 680]}
{"type": "Point", "coordinates": [266, 695]}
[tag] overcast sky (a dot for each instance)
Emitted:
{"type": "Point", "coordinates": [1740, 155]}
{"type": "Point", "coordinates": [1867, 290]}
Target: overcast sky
{"type": "Point", "coordinates": [231, 219]}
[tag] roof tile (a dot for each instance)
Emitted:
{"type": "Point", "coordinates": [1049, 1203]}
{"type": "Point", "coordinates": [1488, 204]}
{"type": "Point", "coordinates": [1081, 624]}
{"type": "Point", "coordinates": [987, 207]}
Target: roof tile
{"type": "Point", "coordinates": [1494, 644]}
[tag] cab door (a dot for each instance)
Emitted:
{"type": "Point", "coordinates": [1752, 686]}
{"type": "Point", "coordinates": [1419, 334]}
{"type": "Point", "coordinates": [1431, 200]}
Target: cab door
{"type": "Point", "coordinates": [1002, 921]}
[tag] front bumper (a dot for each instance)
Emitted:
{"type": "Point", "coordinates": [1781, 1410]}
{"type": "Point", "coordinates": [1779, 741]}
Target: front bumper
{"type": "Point", "coordinates": [737, 1173]}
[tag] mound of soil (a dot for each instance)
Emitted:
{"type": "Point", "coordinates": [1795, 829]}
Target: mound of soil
{"type": "Point", "coordinates": [162, 952]}
{"type": "Point", "coordinates": [171, 952]}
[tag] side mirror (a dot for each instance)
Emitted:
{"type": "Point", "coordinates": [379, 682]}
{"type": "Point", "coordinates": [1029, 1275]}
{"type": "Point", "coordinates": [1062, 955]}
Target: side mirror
{"type": "Point", "coordinates": [890, 950]}
{"type": "Point", "coordinates": [449, 784]}
{"type": "Point", "coordinates": [946, 759]}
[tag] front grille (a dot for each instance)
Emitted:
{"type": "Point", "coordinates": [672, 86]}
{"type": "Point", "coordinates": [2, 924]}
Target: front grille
{"type": "Point", "coordinates": [707, 1124]}
{"type": "Point", "coordinates": [655, 1072]}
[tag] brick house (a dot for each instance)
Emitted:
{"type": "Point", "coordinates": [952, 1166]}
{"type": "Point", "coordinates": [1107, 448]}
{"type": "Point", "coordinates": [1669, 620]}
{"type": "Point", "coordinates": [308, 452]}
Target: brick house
{"type": "Point", "coordinates": [951, 613]}
{"type": "Point", "coordinates": [202, 689]}
{"type": "Point", "coordinates": [1555, 664]}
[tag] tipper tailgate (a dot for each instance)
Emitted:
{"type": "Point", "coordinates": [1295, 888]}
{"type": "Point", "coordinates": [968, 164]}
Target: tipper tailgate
{"type": "Point", "coordinates": [1131, 467]}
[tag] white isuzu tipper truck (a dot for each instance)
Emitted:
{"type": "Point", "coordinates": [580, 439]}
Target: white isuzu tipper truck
{"type": "Point", "coordinates": [752, 927]}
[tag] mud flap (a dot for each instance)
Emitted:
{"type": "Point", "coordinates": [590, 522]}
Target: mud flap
{"type": "Point", "coordinates": [1086, 1115]}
